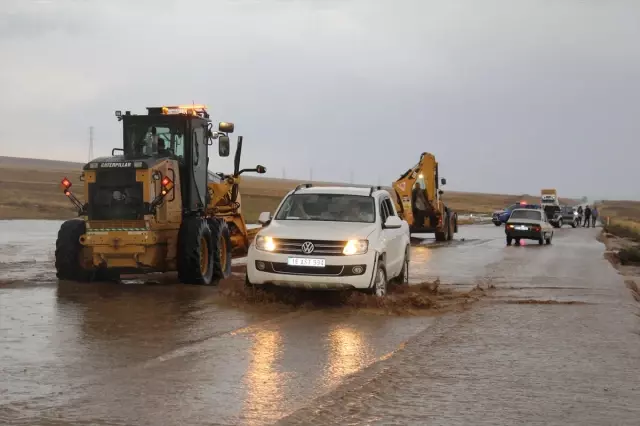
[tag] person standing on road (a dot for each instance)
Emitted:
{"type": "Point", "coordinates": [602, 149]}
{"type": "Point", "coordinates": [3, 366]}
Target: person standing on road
{"type": "Point", "coordinates": [579, 215]}
{"type": "Point", "coordinates": [594, 216]}
{"type": "Point", "coordinates": [587, 217]}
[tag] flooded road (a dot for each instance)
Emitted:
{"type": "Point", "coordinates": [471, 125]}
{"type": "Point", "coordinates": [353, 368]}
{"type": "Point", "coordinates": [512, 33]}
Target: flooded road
{"type": "Point", "coordinates": [554, 342]}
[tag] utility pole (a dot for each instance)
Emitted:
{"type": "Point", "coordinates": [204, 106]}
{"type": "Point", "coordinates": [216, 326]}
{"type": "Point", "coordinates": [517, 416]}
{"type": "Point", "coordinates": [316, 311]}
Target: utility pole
{"type": "Point", "coordinates": [284, 173]}
{"type": "Point", "coordinates": [90, 143]}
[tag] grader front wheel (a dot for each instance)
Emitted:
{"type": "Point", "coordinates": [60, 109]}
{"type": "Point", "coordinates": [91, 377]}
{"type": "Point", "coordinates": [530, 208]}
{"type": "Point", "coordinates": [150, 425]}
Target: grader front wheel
{"type": "Point", "coordinates": [221, 238]}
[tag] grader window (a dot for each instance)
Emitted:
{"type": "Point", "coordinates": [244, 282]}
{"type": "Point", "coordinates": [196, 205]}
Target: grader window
{"type": "Point", "coordinates": [144, 139]}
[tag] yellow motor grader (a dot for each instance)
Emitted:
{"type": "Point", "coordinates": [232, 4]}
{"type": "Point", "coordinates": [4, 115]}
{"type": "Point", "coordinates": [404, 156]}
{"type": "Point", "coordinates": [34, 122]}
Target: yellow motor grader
{"type": "Point", "coordinates": [156, 207]}
{"type": "Point", "coordinates": [419, 200]}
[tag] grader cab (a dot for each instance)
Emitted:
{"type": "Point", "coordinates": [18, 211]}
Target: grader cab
{"type": "Point", "coordinates": [152, 208]}
{"type": "Point", "coordinates": [419, 200]}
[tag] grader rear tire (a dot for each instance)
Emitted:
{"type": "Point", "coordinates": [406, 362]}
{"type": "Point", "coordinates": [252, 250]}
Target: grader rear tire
{"type": "Point", "coordinates": [195, 252]}
{"type": "Point", "coordinates": [68, 254]}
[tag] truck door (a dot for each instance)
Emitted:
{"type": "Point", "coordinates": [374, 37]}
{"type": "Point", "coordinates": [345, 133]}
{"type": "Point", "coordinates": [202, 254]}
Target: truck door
{"type": "Point", "coordinates": [393, 237]}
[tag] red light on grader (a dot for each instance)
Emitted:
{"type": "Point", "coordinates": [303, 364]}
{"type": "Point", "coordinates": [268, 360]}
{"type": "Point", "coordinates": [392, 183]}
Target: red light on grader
{"type": "Point", "coordinates": [65, 184]}
{"type": "Point", "coordinates": [167, 184]}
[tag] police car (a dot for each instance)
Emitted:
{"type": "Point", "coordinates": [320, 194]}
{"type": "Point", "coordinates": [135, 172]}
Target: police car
{"type": "Point", "coordinates": [501, 216]}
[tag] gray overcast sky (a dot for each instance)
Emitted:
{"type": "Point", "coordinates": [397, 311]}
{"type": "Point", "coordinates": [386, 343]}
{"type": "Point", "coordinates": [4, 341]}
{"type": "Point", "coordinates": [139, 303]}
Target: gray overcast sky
{"type": "Point", "coordinates": [511, 96]}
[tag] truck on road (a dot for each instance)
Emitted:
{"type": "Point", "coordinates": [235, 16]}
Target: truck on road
{"type": "Point", "coordinates": [549, 197]}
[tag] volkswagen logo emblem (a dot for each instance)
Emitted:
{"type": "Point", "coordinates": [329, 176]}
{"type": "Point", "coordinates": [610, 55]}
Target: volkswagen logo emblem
{"type": "Point", "coordinates": [308, 247]}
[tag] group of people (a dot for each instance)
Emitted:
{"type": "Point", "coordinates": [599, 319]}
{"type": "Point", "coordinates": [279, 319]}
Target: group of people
{"type": "Point", "coordinates": [589, 214]}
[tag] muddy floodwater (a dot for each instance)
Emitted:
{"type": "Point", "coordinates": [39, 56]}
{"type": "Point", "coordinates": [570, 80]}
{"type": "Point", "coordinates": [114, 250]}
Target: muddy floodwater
{"type": "Point", "coordinates": [554, 341]}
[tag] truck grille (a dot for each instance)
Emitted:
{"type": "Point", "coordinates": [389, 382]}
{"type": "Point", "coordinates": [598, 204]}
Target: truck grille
{"type": "Point", "coordinates": [321, 247]}
{"type": "Point", "coordinates": [329, 270]}
{"type": "Point", "coordinates": [116, 195]}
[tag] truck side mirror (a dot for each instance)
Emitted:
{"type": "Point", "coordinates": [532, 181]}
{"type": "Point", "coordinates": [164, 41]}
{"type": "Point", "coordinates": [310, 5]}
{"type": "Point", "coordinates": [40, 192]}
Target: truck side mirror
{"type": "Point", "coordinates": [224, 146]}
{"type": "Point", "coordinates": [393, 222]}
{"type": "Point", "coordinates": [261, 169]}
{"type": "Point", "coordinates": [443, 181]}
{"type": "Point", "coordinates": [264, 218]}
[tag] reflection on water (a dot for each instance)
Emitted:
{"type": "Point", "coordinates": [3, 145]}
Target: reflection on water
{"type": "Point", "coordinates": [420, 263]}
{"type": "Point", "coordinates": [115, 324]}
{"type": "Point", "coordinates": [264, 383]}
{"type": "Point", "coordinates": [421, 254]}
{"type": "Point", "coordinates": [348, 353]}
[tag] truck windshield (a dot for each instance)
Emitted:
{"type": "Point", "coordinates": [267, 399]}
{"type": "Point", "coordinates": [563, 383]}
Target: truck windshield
{"type": "Point", "coordinates": [328, 207]}
{"type": "Point", "coordinates": [526, 214]}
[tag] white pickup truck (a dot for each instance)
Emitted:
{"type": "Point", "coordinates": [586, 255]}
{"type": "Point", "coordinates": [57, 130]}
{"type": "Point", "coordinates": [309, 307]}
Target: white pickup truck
{"type": "Point", "coordinates": [331, 238]}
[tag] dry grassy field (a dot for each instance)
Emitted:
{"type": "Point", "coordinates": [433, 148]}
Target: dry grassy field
{"type": "Point", "coordinates": [29, 190]}
{"type": "Point", "coordinates": [624, 217]}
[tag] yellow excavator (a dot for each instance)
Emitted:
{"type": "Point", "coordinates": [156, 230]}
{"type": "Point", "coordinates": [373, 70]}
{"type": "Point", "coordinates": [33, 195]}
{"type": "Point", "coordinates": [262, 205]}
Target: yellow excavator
{"type": "Point", "coordinates": [419, 200]}
{"type": "Point", "coordinates": [156, 207]}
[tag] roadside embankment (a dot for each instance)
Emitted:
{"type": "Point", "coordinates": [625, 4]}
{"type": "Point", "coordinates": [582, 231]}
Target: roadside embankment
{"type": "Point", "coordinates": [621, 236]}
{"type": "Point", "coordinates": [621, 229]}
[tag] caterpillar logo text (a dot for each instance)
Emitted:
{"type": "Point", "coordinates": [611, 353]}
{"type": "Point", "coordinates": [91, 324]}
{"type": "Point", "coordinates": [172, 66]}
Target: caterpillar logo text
{"type": "Point", "coordinates": [124, 164]}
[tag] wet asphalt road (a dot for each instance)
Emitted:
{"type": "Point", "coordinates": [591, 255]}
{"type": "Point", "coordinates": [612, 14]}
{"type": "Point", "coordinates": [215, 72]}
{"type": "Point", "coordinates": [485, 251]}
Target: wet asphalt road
{"type": "Point", "coordinates": [170, 354]}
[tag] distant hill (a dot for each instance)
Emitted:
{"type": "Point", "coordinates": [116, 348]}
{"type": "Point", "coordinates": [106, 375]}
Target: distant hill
{"type": "Point", "coordinates": [27, 183]}
{"type": "Point", "coordinates": [35, 163]}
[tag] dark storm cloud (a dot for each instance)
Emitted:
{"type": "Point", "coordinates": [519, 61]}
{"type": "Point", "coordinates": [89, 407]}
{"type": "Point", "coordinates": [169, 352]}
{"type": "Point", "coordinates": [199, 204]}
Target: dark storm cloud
{"type": "Point", "coordinates": [510, 96]}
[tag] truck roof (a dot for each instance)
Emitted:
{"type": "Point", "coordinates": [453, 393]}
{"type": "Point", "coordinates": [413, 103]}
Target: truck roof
{"type": "Point", "coordinates": [343, 190]}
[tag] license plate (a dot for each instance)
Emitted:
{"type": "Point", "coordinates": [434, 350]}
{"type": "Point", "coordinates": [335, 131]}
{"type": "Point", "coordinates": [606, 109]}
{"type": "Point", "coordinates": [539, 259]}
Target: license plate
{"type": "Point", "coordinates": [305, 261]}
{"type": "Point", "coordinates": [522, 228]}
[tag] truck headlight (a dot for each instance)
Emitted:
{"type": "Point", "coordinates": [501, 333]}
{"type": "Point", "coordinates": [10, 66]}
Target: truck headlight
{"type": "Point", "coordinates": [355, 247]}
{"type": "Point", "coordinates": [575, 213]}
{"type": "Point", "coordinates": [265, 243]}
